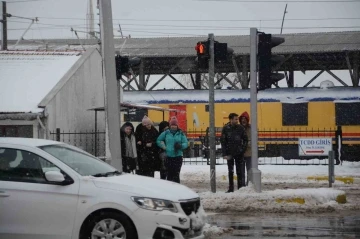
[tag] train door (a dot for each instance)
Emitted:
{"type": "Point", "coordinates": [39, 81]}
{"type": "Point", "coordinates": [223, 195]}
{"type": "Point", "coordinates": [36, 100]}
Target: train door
{"type": "Point", "coordinates": [181, 116]}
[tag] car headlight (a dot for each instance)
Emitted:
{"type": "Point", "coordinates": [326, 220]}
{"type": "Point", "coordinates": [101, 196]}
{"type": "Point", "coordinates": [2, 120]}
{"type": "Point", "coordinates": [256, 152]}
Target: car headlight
{"type": "Point", "coordinates": [155, 204]}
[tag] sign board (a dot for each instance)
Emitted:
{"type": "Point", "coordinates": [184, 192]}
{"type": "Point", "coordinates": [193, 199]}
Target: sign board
{"type": "Point", "coordinates": [315, 146]}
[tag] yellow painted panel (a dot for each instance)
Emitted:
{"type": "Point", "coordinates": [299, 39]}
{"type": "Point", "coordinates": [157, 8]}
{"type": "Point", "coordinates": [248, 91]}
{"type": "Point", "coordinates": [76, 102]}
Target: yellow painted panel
{"type": "Point", "coordinates": [269, 115]}
{"type": "Point", "coordinates": [321, 115]}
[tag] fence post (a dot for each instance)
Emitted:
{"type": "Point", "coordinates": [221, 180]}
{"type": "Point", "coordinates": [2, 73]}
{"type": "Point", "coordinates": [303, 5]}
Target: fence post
{"type": "Point", "coordinates": [331, 168]}
{"type": "Point", "coordinates": [58, 134]}
{"type": "Point", "coordinates": [338, 144]}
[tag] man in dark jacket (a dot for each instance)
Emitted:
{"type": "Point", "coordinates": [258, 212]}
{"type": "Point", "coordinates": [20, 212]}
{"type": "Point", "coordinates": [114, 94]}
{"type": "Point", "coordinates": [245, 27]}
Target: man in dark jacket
{"type": "Point", "coordinates": [233, 144]}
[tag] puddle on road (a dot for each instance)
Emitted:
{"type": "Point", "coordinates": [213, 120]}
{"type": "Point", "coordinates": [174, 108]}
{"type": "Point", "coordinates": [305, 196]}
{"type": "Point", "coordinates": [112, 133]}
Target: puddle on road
{"type": "Point", "coordinates": [293, 226]}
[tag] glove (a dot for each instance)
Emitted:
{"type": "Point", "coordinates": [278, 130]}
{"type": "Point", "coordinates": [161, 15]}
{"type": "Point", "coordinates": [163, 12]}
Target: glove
{"type": "Point", "coordinates": [177, 146]}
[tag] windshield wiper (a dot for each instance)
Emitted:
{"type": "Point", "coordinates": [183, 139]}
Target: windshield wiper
{"type": "Point", "coordinates": [106, 174]}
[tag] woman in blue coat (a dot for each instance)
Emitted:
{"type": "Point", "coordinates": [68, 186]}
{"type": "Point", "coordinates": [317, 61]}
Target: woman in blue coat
{"type": "Point", "coordinates": [173, 141]}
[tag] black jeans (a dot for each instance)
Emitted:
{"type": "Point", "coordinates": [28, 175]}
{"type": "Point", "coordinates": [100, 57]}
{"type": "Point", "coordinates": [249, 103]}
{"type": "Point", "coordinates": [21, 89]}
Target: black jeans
{"type": "Point", "coordinates": [240, 171]}
{"type": "Point", "coordinates": [173, 166]}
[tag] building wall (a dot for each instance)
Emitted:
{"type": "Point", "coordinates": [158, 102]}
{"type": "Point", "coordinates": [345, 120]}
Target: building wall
{"type": "Point", "coordinates": [81, 89]}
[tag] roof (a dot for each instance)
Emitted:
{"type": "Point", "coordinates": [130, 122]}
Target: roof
{"type": "Point", "coordinates": [184, 46]}
{"type": "Point", "coordinates": [285, 95]}
{"type": "Point", "coordinates": [27, 77]}
{"type": "Point", "coordinates": [30, 142]}
{"type": "Point", "coordinates": [129, 106]}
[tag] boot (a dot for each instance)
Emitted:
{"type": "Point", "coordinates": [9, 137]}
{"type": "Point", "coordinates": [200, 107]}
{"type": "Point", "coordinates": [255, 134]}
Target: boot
{"type": "Point", "coordinates": [239, 182]}
{"type": "Point", "coordinates": [231, 183]}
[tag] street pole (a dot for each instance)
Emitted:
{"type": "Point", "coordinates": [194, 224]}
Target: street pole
{"type": "Point", "coordinates": [4, 27]}
{"type": "Point", "coordinates": [255, 173]}
{"type": "Point", "coordinates": [212, 115]}
{"type": "Point", "coordinates": [111, 90]}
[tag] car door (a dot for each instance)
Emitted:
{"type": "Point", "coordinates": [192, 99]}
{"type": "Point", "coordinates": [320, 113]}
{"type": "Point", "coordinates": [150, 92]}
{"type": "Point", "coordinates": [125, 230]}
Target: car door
{"type": "Point", "coordinates": [30, 206]}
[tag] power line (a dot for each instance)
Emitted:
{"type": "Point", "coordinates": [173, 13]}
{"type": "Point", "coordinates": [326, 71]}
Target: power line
{"type": "Point", "coordinates": [282, 1]}
{"type": "Point", "coordinates": [209, 20]}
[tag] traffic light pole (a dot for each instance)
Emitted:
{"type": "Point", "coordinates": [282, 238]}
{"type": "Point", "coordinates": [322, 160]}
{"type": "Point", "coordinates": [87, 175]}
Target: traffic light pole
{"type": "Point", "coordinates": [112, 110]}
{"type": "Point", "coordinates": [212, 115]}
{"type": "Point", "coordinates": [255, 173]}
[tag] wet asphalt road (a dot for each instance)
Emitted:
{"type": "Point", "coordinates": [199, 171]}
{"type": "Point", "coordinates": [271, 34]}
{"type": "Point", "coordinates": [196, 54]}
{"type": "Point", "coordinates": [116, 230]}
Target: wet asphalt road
{"type": "Point", "coordinates": [288, 226]}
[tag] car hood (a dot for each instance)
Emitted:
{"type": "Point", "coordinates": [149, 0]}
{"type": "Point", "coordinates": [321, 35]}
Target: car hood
{"type": "Point", "coordinates": [146, 187]}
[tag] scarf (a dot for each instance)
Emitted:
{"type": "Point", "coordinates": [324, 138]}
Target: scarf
{"type": "Point", "coordinates": [130, 146]}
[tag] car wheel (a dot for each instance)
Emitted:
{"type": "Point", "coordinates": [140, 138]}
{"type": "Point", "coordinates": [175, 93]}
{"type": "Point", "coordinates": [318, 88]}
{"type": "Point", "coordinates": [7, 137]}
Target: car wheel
{"type": "Point", "coordinates": [109, 225]}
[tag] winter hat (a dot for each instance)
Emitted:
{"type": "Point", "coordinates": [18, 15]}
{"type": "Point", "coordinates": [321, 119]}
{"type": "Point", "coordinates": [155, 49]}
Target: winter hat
{"type": "Point", "coordinates": [173, 121]}
{"type": "Point", "coordinates": [246, 115]}
{"type": "Point", "coordinates": [146, 120]}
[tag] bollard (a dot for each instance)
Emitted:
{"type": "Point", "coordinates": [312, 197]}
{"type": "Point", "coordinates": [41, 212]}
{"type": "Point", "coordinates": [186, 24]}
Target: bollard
{"type": "Point", "coordinates": [331, 168]}
{"type": "Point", "coordinates": [191, 148]}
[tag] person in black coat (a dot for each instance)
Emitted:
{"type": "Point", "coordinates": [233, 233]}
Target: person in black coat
{"type": "Point", "coordinates": [164, 125]}
{"type": "Point", "coordinates": [128, 148]}
{"type": "Point", "coordinates": [233, 145]}
{"type": "Point", "coordinates": [138, 136]}
{"type": "Point", "coordinates": [150, 151]}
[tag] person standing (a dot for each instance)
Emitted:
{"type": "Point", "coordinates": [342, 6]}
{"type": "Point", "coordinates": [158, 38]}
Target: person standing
{"type": "Point", "coordinates": [233, 144]}
{"type": "Point", "coordinates": [173, 141]}
{"type": "Point", "coordinates": [163, 126]}
{"type": "Point", "coordinates": [128, 148]}
{"type": "Point", "coordinates": [150, 151]}
{"type": "Point", "coordinates": [245, 121]}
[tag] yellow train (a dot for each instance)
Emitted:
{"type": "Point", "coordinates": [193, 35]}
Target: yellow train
{"type": "Point", "coordinates": [284, 115]}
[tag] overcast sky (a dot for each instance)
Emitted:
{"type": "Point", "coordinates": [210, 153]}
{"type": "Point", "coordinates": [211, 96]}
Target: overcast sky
{"type": "Point", "coordinates": [163, 18]}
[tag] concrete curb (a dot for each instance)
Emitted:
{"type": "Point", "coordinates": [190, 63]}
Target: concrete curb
{"type": "Point", "coordinates": [346, 180]}
{"type": "Point", "coordinates": [340, 199]}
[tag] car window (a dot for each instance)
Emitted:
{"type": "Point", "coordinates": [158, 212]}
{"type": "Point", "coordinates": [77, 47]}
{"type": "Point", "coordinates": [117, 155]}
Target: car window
{"type": "Point", "coordinates": [80, 161]}
{"type": "Point", "coordinates": [23, 166]}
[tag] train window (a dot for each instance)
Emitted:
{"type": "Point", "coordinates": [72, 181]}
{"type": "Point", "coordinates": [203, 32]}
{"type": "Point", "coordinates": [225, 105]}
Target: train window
{"type": "Point", "coordinates": [294, 114]}
{"type": "Point", "coordinates": [135, 115]}
{"type": "Point", "coordinates": [347, 113]}
{"type": "Point", "coordinates": [206, 108]}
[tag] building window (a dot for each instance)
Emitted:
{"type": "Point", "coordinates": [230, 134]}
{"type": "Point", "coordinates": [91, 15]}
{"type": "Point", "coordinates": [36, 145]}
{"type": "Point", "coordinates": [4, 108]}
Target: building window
{"type": "Point", "coordinates": [347, 113]}
{"type": "Point", "coordinates": [294, 114]}
{"type": "Point", "coordinates": [25, 131]}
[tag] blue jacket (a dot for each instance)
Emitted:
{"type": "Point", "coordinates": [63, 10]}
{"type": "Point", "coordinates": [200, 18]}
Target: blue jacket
{"type": "Point", "coordinates": [167, 140]}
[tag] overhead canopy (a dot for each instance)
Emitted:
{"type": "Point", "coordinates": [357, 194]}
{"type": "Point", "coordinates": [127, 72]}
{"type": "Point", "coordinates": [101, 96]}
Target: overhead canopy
{"type": "Point", "coordinates": [124, 107]}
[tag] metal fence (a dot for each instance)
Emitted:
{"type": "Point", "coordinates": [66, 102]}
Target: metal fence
{"type": "Point", "coordinates": [89, 141]}
{"type": "Point", "coordinates": [275, 146]}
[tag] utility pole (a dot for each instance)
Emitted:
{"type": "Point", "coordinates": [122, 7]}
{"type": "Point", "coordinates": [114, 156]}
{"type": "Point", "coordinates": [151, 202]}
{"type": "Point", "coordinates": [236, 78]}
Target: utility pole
{"type": "Point", "coordinates": [212, 115]}
{"type": "Point", "coordinates": [282, 23]}
{"type": "Point", "coordinates": [255, 173]}
{"type": "Point", "coordinates": [4, 27]}
{"type": "Point", "coordinates": [111, 90]}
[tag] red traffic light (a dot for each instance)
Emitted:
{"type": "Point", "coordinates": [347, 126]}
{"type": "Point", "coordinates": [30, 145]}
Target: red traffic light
{"type": "Point", "coordinates": [200, 48]}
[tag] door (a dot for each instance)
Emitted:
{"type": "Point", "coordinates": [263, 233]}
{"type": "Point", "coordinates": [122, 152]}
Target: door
{"type": "Point", "coordinates": [31, 207]}
{"type": "Point", "coordinates": [181, 115]}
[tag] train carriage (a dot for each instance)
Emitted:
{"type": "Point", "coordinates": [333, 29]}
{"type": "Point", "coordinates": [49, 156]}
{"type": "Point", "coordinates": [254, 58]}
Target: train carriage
{"type": "Point", "coordinates": [284, 115]}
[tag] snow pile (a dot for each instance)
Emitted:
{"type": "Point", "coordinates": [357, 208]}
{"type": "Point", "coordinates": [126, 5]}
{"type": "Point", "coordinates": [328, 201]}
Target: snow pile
{"type": "Point", "coordinates": [198, 219]}
{"type": "Point", "coordinates": [210, 230]}
{"type": "Point", "coordinates": [272, 173]}
{"type": "Point", "coordinates": [280, 200]}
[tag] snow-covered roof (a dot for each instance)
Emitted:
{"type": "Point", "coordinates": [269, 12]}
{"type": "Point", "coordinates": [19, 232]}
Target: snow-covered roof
{"type": "Point", "coordinates": [285, 95]}
{"type": "Point", "coordinates": [27, 77]}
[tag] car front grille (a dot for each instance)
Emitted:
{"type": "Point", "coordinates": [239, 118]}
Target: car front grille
{"type": "Point", "coordinates": [190, 206]}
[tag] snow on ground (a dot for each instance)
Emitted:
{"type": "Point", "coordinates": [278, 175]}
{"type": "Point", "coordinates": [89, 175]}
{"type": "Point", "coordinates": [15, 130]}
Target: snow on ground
{"type": "Point", "coordinates": [285, 189]}
{"type": "Point", "coordinates": [273, 173]}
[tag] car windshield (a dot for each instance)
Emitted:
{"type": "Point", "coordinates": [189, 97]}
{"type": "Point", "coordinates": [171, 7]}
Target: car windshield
{"type": "Point", "coordinates": [82, 162]}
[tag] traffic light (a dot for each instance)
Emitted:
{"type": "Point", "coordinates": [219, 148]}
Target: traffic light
{"type": "Point", "coordinates": [221, 52]}
{"type": "Point", "coordinates": [203, 54]}
{"type": "Point", "coordinates": [123, 64]}
{"type": "Point", "coordinates": [267, 60]}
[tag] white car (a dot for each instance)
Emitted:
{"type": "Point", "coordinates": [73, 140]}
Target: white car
{"type": "Point", "coordinates": [50, 189]}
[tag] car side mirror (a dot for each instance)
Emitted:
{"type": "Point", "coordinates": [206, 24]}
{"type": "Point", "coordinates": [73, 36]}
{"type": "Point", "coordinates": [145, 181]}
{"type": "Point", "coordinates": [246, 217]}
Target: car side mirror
{"type": "Point", "coordinates": [55, 177]}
